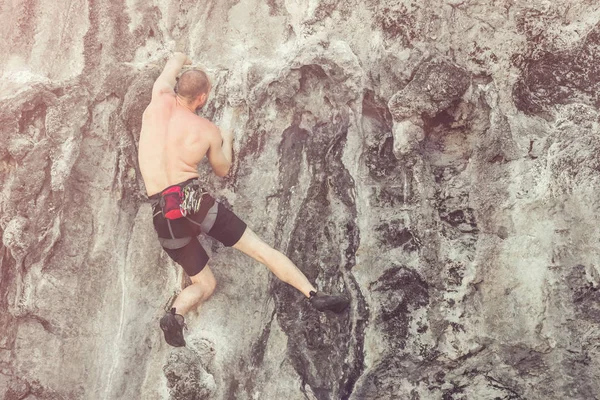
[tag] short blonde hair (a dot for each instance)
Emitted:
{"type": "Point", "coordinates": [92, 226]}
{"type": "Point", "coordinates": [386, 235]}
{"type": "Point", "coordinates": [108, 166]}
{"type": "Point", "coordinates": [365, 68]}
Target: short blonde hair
{"type": "Point", "coordinates": [192, 83]}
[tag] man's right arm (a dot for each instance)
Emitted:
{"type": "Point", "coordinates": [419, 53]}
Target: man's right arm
{"type": "Point", "coordinates": [220, 151]}
{"type": "Point", "coordinates": [167, 79]}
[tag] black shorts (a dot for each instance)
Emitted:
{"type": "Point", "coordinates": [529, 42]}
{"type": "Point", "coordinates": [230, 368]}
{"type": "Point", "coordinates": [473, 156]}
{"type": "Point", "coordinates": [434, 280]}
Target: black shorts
{"type": "Point", "coordinates": [178, 237]}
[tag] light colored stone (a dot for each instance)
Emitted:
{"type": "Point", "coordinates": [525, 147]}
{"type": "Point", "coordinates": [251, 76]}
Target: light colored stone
{"type": "Point", "coordinates": [436, 162]}
{"type": "Point", "coordinates": [407, 137]}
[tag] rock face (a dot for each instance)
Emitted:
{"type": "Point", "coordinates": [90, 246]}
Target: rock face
{"type": "Point", "coordinates": [436, 161]}
{"type": "Point", "coordinates": [186, 376]}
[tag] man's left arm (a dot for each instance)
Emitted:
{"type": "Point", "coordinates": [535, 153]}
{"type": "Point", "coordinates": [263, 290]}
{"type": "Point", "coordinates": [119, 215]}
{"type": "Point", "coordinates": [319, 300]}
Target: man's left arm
{"type": "Point", "coordinates": [167, 79]}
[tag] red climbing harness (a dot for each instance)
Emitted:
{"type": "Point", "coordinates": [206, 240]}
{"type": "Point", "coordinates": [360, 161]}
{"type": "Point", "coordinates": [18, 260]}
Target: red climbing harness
{"type": "Point", "coordinates": [180, 200]}
{"type": "Point", "coordinates": [170, 202]}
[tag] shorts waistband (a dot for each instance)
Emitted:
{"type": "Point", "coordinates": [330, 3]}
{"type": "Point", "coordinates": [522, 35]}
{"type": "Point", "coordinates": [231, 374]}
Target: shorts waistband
{"type": "Point", "coordinates": [156, 196]}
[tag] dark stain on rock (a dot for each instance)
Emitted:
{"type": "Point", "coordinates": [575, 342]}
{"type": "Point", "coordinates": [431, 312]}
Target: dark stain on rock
{"type": "Point", "coordinates": [509, 393]}
{"type": "Point", "coordinates": [126, 41]}
{"type": "Point", "coordinates": [320, 345]}
{"type": "Point", "coordinates": [136, 99]}
{"type": "Point", "coordinates": [18, 389]}
{"type": "Point", "coordinates": [463, 219]}
{"type": "Point", "coordinates": [442, 118]}
{"type": "Point", "coordinates": [250, 367]}
{"type": "Point", "coordinates": [444, 173]}
{"type": "Point", "coordinates": [381, 161]}
{"type": "Point", "coordinates": [456, 389]}
{"type": "Point", "coordinates": [26, 23]}
{"type": "Point", "coordinates": [376, 109]}
{"type": "Point", "coordinates": [325, 8]}
{"type": "Point", "coordinates": [353, 237]}
{"type": "Point", "coordinates": [8, 277]}
{"type": "Point", "coordinates": [259, 348]}
{"type": "Point", "coordinates": [392, 196]}
{"type": "Point", "coordinates": [560, 77]}
{"type": "Point", "coordinates": [382, 382]}
{"type": "Point", "coordinates": [524, 359]}
{"type": "Point", "coordinates": [251, 148]}
{"type": "Point", "coordinates": [33, 114]}
{"type": "Point", "coordinates": [291, 150]}
{"type": "Point", "coordinates": [455, 274]}
{"type": "Point", "coordinates": [584, 295]}
{"type": "Point", "coordinates": [377, 124]}
{"type": "Point", "coordinates": [274, 7]}
{"type": "Point", "coordinates": [395, 234]}
{"type": "Point", "coordinates": [255, 144]}
{"type": "Point", "coordinates": [532, 22]}
{"type": "Point", "coordinates": [339, 181]}
{"type": "Point", "coordinates": [148, 27]}
{"type": "Point", "coordinates": [399, 291]}
{"type": "Point", "coordinates": [397, 24]}
{"type": "Point", "coordinates": [92, 44]}
{"type": "Point", "coordinates": [311, 76]}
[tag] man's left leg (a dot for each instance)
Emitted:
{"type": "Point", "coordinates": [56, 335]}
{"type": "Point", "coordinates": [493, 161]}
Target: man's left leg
{"type": "Point", "coordinates": [230, 230]}
{"type": "Point", "coordinates": [193, 258]}
{"type": "Point", "coordinates": [278, 263]}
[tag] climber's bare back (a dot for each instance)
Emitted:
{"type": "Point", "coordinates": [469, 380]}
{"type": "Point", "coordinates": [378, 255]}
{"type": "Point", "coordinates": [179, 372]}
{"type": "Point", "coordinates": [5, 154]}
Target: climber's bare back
{"type": "Point", "coordinates": [173, 140]}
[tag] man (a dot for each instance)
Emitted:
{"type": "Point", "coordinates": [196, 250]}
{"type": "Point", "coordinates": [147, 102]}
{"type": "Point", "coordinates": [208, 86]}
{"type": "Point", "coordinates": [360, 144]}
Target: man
{"type": "Point", "coordinates": [173, 140]}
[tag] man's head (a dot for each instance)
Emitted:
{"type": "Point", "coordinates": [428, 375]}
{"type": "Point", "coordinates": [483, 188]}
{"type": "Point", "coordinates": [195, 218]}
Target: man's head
{"type": "Point", "coordinates": [194, 87]}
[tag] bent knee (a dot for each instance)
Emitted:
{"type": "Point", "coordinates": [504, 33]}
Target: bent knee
{"type": "Point", "coordinates": [208, 287]}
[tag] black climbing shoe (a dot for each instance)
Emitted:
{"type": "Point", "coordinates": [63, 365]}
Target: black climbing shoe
{"type": "Point", "coordinates": [325, 302]}
{"type": "Point", "coordinates": [172, 325]}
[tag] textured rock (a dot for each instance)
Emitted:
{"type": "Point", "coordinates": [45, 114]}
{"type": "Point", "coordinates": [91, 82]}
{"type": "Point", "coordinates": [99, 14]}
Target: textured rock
{"type": "Point", "coordinates": [436, 161]}
{"type": "Point", "coordinates": [186, 378]}
{"type": "Point", "coordinates": [436, 85]}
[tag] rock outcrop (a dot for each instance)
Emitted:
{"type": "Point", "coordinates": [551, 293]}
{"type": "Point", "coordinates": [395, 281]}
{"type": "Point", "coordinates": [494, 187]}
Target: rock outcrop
{"type": "Point", "coordinates": [436, 161]}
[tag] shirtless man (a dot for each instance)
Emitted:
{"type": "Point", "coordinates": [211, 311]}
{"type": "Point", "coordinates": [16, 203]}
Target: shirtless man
{"type": "Point", "coordinates": [173, 140]}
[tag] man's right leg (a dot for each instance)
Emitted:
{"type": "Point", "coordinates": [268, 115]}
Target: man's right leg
{"type": "Point", "coordinates": [202, 287]}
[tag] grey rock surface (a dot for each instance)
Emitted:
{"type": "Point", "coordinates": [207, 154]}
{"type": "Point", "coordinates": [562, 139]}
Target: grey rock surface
{"type": "Point", "coordinates": [436, 161]}
{"type": "Point", "coordinates": [186, 376]}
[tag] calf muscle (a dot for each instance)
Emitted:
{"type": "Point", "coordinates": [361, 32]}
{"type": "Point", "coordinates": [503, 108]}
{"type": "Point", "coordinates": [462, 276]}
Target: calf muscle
{"type": "Point", "coordinates": [277, 262]}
